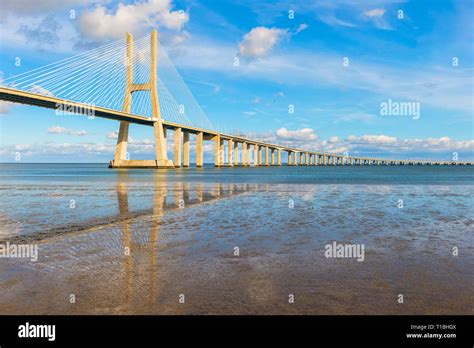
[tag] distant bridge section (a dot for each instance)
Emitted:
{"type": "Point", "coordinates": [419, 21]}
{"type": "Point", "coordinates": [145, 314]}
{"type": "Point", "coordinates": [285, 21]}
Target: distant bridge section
{"type": "Point", "coordinates": [241, 151]}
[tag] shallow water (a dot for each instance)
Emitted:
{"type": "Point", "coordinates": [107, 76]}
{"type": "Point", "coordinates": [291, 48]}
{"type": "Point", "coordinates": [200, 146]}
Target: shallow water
{"type": "Point", "coordinates": [182, 227]}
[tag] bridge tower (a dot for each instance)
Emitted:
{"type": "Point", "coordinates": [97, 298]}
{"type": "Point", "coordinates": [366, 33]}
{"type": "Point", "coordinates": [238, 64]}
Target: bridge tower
{"type": "Point", "coordinates": [121, 160]}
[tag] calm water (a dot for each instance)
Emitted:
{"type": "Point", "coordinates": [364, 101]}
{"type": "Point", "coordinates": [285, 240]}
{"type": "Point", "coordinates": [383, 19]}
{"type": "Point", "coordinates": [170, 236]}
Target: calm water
{"type": "Point", "coordinates": [134, 241]}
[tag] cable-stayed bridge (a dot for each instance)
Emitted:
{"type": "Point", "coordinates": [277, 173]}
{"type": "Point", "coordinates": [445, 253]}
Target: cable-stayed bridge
{"type": "Point", "coordinates": [136, 82]}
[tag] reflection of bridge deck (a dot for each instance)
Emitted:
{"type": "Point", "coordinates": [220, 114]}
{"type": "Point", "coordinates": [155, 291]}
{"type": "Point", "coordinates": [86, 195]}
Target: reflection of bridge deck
{"type": "Point", "coordinates": [184, 196]}
{"type": "Point", "coordinates": [264, 154]}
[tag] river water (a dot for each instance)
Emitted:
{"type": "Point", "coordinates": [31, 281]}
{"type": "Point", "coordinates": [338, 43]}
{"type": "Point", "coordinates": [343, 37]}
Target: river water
{"type": "Point", "coordinates": [237, 240]}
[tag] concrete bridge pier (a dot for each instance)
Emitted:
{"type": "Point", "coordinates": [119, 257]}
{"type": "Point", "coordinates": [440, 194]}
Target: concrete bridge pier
{"type": "Point", "coordinates": [221, 152]}
{"type": "Point", "coordinates": [245, 154]}
{"type": "Point", "coordinates": [186, 149]}
{"type": "Point", "coordinates": [178, 139]}
{"type": "Point", "coordinates": [230, 153]}
{"type": "Point", "coordinates": [255, 155]}
{"type": "Point", "coordinates": [236, 153]}
{"type": "Point", "coordinates": [217, 150]}
{"type": "Point", "coordinates": [199, 149]}
{"type": "Point", "coordinates": [121, 159]}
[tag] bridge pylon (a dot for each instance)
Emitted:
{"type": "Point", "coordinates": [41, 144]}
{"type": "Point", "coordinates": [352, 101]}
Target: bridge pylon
{"type": "Point", "coordinates": [121, 160]}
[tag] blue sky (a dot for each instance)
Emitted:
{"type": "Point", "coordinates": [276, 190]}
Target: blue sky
{"type": "Point", "coordinates": [290, 53]}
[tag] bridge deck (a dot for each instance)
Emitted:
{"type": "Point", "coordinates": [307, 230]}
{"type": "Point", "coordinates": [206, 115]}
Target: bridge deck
{"type": "Point", "coordinates": [51, 102]}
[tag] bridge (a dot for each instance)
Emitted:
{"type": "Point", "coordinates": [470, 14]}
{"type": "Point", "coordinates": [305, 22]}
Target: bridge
{"type": "Point", "coordinates": [87, 84]}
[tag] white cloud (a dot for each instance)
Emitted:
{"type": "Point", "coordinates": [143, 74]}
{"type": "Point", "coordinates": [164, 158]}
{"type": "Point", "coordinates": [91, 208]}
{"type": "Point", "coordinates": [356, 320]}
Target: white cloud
{"type": "Point", "coordinates": [79, 133]}
{"type": "Point", "coordinates": [57, 130]}
{"type": "Point", "coordinates": [101, 23]}
{"type": "Point", "coordinates": [430, 84]}
{"type": "Point", "coordinates": [40, 6]}
{"type": "Point", "coordinates": [34, 30]}
{"type": "Point", "coordinates": [112, 135]}
{"type": "Point", "coordinates": [376, 16]}
{"type": "Point", "coordinates": [136, 148]}
{"type": "Point", "coordinates": [364, 145]}
{"type": "Point", "coordinates": [301, 27]}
{"type": "Point", "coordinates": [371, 144]}
{"type": "Point", "coordinates": [260, 41]}
{"type": "Point", "coordinates": [174, 19]}
{"type": "Point", "coordinates": [350, 13]}
{"type": "Point", "coordinates": [175, 39]}
{"type": "Point", "coordinates": [63, 130]}
{"type": "Point", "coordinates": [376, 12]}
{"type": "Point", "coordinates": [388, 144]}
{"type": "Point", "coordinates": [372, 139]}
{"type": "Point", "coordinates": [299, 134]}
{"type": "Point", "coordinates": [5, 107]}
{"type": "Point", "coordinates": [332, 20]}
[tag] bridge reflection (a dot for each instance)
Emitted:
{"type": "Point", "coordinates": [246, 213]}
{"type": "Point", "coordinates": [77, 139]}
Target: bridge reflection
{"type": "Point", "coordinates": [141, 254]}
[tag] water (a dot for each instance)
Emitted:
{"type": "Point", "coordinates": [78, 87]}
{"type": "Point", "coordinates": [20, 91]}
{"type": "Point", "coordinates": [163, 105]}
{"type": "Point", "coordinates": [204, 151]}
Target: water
{"type": "Point", "coordinates": [134, 241]}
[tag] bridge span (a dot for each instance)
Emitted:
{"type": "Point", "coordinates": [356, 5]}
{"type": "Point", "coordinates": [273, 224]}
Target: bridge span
{"type": "Point", "coordinates": [229, 150]}
{"type": "Point", "coordinates": [241, 151]}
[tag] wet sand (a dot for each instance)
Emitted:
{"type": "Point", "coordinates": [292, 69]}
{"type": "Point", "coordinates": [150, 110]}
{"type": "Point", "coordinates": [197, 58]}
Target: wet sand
{"type": "Point", "coordinates": [182, 243]}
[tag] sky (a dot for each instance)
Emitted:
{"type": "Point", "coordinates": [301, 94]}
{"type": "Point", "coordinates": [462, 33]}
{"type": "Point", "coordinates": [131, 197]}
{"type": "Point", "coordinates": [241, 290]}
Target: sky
{"type": "Point", "coordinates": [316, 74]}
